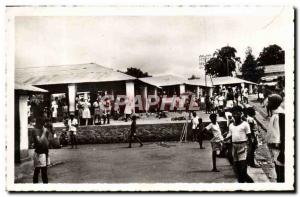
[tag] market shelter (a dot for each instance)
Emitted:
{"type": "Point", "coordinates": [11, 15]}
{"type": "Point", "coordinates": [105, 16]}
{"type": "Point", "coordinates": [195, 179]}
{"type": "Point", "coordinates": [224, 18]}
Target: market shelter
{"type": "Point", "coordinates": [172, 84]}
{"type": "Point", "coordinates": [83, 79]}
{"type": "Point", "coordinates": [222, 81]}
{"type": "Point", "coordinates": [233, 81]}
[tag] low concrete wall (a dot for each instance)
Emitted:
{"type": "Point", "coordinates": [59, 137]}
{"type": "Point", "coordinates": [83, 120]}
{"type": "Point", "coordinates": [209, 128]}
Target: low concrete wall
{"type": "Point", "coordinates": [119, 133]}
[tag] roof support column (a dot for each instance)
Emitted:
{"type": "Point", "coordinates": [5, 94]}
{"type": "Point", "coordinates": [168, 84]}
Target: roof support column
{"type": "Point", "coordinates": [198, 92]}
{"type": "Point", "coordinates": [182, 88]}
{"type": "Point", "coordinates": [23, 117]}
{"type": "Point", "coordinates": [130, 93]}
{"type": "Point", "coordinates": [72, 89]}
{"type": "Point", "coordinates": [201, 91]}
{"type": "Point", "coordinates": [145, 98]}
{"type": "Point", "coordinates": [210, 91]}
{"type": "Point", "coordinates": [250, 88]}
{"type": "Point", "coordinates": [155, 91]}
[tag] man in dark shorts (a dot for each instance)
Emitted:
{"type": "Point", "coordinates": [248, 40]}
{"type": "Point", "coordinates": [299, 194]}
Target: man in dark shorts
{"type": "Point", "coordinates": [132, 133]}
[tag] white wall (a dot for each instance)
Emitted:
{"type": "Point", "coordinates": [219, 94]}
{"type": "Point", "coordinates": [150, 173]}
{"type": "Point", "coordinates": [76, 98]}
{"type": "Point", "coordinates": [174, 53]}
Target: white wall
{"type": "Point", "coordinates": [23, 122]}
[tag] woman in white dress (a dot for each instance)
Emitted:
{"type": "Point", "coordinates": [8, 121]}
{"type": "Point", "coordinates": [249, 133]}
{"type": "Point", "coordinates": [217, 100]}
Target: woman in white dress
{"type": "Point", "coordinates": [86, 113]}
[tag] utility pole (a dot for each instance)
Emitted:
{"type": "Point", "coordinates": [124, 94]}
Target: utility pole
{"type": "Point", "coordinates": [202, 62]}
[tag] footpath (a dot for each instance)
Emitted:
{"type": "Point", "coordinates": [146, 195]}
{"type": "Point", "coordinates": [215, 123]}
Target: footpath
{"type": "Point", "coordinates": [262, 153]}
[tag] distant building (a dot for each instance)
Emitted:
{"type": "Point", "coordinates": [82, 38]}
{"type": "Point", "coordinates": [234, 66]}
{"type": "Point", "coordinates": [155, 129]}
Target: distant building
{"type": "Point", "coordinates": [271, 74]}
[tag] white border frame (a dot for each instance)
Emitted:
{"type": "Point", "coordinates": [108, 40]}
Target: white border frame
{"type": "Point", "coordinates": [13, 12]}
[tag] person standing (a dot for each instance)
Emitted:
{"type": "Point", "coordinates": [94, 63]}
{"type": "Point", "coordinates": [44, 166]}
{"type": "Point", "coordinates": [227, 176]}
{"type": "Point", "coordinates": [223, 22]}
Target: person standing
{"type": "Point", "coordinates": [54, 106]}
{"type": "Point", "coordinates": [97, 117]}
{"type": "Point", "coordinates": [41, 151]}
{"type": "Point", "coordinates": [80, 110]}
{"type": "Point", "coordinates": [276, 135]}
{"type": "Point", "coordinates": [72, 127]}
{"type": "Point", "coordinates": [229, 98]}
{"type": "Point", "coordinates": [239, 133]}
{"type": "Point", "coordinates": [237, 95]}
{"type": "Point", "coordinates": [207, 104]}
{"type": "Point", "coordinates": [86, 114]}
{"type": "Point", "coordinates": [215, 103]}
{"type": "Point", "coordinates": [250, 114]}
{"type": "Point", "coordinates": [107, 111]}
{"type": "Point", "coordinates": [132, 133]}
{"type": "Point", "coordinates": [200, 133]}
{"type": "Point", "coordinates": [221, 101]}
{"type": "Point", "coordinates": [245, 95]}
{"type": "Point", "coordinates": [194, 126]}
{"type": "Point", "coordinates": [216, 141]}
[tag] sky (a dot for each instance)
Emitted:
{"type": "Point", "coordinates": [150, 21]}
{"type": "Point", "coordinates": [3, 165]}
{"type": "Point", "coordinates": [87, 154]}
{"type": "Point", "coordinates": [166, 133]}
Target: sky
{"type": "Point", "coordinates": [156, 44]}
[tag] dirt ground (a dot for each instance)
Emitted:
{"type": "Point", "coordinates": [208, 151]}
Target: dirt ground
{"type": "Point", "coordinates": [170, 162]}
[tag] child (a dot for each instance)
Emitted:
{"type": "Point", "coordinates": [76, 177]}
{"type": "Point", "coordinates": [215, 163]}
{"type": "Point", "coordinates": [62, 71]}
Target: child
{"type": "Point", "coordinates": [72, 127]}
{"type": "Point", "coordinates": [276, 135]}
{"type": "Point", "coordinates": [132, 133]}
{"type": "Point", "coordinates": [194, 126]}
{"type": "Point", "coordinates": [41, 152]}
{"type": "Point", "coordinates": [253, 142]}
{"type": "Point", "coordinates": [216, 141]}
{"type": "Point", "coordinates": [200, 132]}
{"type": "Point", "coordinates": [239, 132]}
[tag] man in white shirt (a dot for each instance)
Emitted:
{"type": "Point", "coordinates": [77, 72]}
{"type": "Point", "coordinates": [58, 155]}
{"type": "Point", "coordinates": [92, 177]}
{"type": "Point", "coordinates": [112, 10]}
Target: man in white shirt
{"type": "Point", "coordinates": [239, 132]}
{"type": "Point", "coordinates": [276, 135]}
{"type": "Point", "coordinates": [54, 107]}
{"type": "Point", "coordinates": [245, 95]}
{"type": "Point", "coordinates": [221, 101]}
{"type": "Point", "coordinates": [72, 127]}
{"type": "Point", "coordinates": [216, 141]}
{"type": "Point", "coordinates": [195, 123]}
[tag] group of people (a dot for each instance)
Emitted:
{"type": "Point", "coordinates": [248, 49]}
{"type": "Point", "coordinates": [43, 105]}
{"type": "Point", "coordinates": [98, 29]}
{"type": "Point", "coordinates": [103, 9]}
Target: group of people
{"type": "Point", "coordinates": [225, 98]}
{"type": "Point", "coordinates": [241, 139]}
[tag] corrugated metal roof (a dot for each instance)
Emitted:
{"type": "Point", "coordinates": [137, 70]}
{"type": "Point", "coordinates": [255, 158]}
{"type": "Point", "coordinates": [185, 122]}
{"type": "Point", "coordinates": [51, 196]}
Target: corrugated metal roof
{"type": "Point", "coordinates": [200, 82]}
{"type": "Point", "coordinates": [274, 68]}
{"type": "Point", "coordinates": [229, 80]}
{"type": "Point", "coordinates": [29, 88]}
{"type": "Point", "coordinates": [164, 80]}
{"type": "Point", "coordinates": [170, 80]}
{"type": "Point", "coordinates": [64, 74]}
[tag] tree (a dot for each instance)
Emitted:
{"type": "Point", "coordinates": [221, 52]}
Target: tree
{"type": "Point", "coordinates": [250, 70]}
{"type": "Point", "coordinates": [222, 63]}
{"type": "Point", "coordinates": [271, 55]}
{"type": "Point", "coordinates": [193, 77]}
{"type": "Point", "coordinates": [136, 72]}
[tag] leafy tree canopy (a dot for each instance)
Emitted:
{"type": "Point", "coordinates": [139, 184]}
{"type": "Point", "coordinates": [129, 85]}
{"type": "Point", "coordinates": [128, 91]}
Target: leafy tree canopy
{"type": "Point", "coordinates": [193, 77]}
{"type": "Point", "coordinates": [136, 72]}
{"type": "Point", "coordinates": [271, 55]}
{"type": "Point", "coordinates": [223, 62]}
{"type": "Point", "coordinates": [250, 70]}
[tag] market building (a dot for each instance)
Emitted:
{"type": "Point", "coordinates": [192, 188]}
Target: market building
{"type": "Point", "coordinates": [226, 81]}
{"type": "Point", "coordinates": [80, 80]}
{"type": "Point", "coordinates": [272, 74]}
